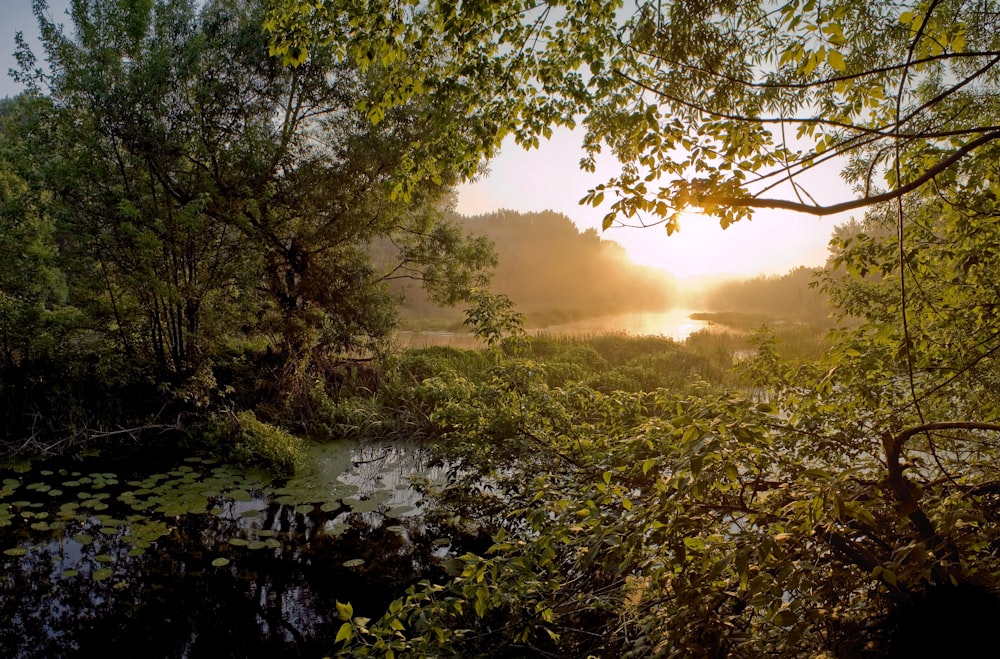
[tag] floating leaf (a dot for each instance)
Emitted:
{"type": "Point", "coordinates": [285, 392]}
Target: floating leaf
{"type": "Point", "coordinates": [83, 539]}
{"type": "Point", "coordinates": [66, 574]}
{"type": "Point", "coordinates": [399, 511]}
{"type": "Point", "coordinates": [16, 551]}
{"type": "Point", "coordinates": [220, 562]}
{"type": "Point", "coordinates": [102, 574]}
{"type": "Point", "coordinates": [354, 562]}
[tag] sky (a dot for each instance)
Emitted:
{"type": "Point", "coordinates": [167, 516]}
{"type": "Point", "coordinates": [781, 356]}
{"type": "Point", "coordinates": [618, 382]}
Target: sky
{"type": "Point", "coordinates": [549, 178]}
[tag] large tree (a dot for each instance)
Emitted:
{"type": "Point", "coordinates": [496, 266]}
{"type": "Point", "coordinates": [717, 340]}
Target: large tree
{"type": "Point", "coordinates": [204, 192]}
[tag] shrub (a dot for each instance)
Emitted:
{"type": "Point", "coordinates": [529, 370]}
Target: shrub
{"type": "Point", "coordinates": [244, 439]}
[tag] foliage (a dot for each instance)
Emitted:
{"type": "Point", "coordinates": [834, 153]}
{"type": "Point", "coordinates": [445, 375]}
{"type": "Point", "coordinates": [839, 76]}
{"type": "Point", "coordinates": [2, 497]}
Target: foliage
{"type": "Point", "coordinates": [686, 520]}
{"type": "Point", "coordinates": [247, 441]}
{"type": "Point", "coordinates": [171, 195]}
{"type": "Point", "coordinates": [723, 108]}
{"type": "Point", "coordinates": [495, 322]}
{"type": "Point", "coordinates": [210, 189]}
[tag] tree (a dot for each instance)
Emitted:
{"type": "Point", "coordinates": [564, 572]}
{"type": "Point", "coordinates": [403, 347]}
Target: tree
{"type": "Point", "coordinates": [33, 294]}
{"type": "Point", "coordinates": [722, 107]}
{"type": "Point", "coordinates": [204, 193]}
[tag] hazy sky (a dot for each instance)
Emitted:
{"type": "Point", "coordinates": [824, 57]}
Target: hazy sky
{"type": "Point", "coordinates": [550, 178]}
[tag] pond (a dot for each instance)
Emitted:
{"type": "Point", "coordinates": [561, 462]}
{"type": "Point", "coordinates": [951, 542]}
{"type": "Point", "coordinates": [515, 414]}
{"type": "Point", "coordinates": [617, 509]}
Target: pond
{"type": "Point", "coordinates": [186, 557]}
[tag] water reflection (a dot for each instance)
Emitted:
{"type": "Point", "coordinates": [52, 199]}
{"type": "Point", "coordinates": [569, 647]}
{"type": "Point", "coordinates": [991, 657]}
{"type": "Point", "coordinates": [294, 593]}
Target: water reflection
{"type": "Point", "coordinates": [676, 324]}
{"type": "Point", "coordinates": [201, 560]}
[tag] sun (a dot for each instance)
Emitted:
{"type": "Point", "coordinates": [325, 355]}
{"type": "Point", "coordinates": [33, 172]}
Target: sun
{"type": "Point", "coordinates": [549, 178]}
{"type": "Point", "coordinates": [702, 247]}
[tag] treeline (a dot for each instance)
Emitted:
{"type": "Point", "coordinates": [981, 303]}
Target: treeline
{"type": "Point", "coordinates": [554, 272]}
{"type": "Point", "coordinates": [791, 296]}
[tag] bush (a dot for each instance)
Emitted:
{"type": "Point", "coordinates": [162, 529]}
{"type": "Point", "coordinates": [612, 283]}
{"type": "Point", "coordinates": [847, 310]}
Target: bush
{"type": "Point", "coordinates": [244, 439]}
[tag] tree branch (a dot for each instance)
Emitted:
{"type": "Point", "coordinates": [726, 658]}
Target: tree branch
{"type": "Point", "coordinates": [752, 202]}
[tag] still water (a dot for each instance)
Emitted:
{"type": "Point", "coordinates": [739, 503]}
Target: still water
{"type": "Point", "coordinates": [676, 324]}
{"type": "Point", "coordinates": [150, 556]}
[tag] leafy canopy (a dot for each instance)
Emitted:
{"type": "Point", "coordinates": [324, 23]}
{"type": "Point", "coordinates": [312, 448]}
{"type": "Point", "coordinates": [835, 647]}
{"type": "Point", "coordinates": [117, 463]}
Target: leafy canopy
{"type": "Point", "coordinates": [724, 107]}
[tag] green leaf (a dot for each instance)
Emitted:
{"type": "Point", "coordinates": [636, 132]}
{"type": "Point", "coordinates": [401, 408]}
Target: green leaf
{"type": "Point", "coordinates": [836, 60]}
{"type": "Point", "coordinates": [345, 633]}
{"type": "Point", "coordinates": [344, 611]}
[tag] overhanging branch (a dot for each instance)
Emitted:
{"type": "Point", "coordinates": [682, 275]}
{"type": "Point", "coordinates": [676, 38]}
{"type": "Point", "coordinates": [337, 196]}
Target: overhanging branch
{"type": "Point", "coordinates": [753, 202]}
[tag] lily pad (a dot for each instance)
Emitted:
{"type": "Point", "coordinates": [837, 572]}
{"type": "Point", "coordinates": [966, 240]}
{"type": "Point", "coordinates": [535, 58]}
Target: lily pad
{"type": "Point", "coordinates": [102, 574]}
{"type": "Point", "coordinates": [239, 495]}
{"type": "Point", "coordinates": [354, 562]}
{"type": "Point", "coordinates": [16, 551]}
{"type": "Point", "coordinates": [399, 511]}
{"type": "Point", "coordinates": [220, 562]}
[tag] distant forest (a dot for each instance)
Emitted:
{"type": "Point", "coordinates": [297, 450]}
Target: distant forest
{"type": "Point", "coordinates": [788, 296]}
{"type": "Point", "coordinates": [554, 272]}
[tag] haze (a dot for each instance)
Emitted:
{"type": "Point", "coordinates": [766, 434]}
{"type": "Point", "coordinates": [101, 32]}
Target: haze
{"type": "Point", "coordinates": [550, 178]}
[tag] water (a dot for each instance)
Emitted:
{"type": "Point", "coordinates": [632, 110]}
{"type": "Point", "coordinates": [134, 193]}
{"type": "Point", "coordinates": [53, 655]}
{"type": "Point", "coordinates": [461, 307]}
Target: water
{"type": "Point", "coordinates": [676, 324]}
{"type": "Point", "coordinates": [189, 558]}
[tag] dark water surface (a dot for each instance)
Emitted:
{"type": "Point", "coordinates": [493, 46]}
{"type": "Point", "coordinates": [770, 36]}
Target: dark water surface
{"type": "Point", "coordinates": [148, 557]}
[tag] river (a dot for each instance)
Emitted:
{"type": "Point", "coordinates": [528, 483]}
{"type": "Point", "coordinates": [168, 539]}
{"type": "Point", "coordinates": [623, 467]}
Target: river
{"type": "Point", "coordinates": [676, 324]}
